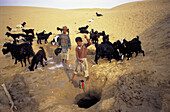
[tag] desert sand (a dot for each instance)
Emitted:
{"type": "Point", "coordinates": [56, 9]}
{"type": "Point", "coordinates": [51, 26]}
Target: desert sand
{"type": "Point", "coordinates": [141, 84]}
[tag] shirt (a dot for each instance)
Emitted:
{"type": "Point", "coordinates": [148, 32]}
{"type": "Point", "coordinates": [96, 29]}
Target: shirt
{"type": "Point", "coordinates": [81, 52]}
{"type": "Point", "coordinates": [64, 41]}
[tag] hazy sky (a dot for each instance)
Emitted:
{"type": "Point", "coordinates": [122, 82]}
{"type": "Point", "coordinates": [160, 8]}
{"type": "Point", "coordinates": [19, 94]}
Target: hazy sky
{"type": "Point", "coordinates": [65, 4]}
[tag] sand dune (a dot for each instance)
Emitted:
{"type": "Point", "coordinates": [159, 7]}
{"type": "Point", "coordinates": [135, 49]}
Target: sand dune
{"type": "Point", "coordinates": [138, 85]}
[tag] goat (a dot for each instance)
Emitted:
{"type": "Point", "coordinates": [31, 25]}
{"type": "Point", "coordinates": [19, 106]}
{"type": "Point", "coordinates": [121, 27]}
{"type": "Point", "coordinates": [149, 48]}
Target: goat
{"type": "Point", "coordinates": [28, 38]}
{"type": "Point", "coordinates": [19, 52]}
{"type": "Point", "coordinates": [21, 25]}
{"type": "Point", "coordinates": [85, 28]}
{"type": "Point", "coordinates": [11, 29]}
{"type": "Point", "coordinates": [106, 40]}
{"type": "Point", "coordinates": [43, 32]}
{"type": "Point", "coordinates": [84, 31]}
{"type": "Point", "coordinates": [40, 55]}
{"type": "Point", "coordinates": [122, 49]}
{"type": "Point", "coordinates": [94, 37]}
{"type": "Point", "coordinates": [98, 14]}
{"type": "Point", "coordinates": [133, 46]}
{"type": "Point", "coordinates": [55, 40]}
{"type": "Point", "coordinates": [43, 37]}
{"type": "Point", "coordinates": [102, 33]}
{"type": "Point", "coordinates": [91, 20]}
{"type": "Point", "coordinates": [14, 36]}
{"type": "Point", "coordinates": [27, 31]}
{"type": "Point", "coordinates": [105, 50]}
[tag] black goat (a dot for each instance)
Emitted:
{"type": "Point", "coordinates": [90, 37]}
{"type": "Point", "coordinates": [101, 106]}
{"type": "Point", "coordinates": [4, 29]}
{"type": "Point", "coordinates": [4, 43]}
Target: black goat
{"type": "Point", "coordinates": [28, 38]}
{"type": "Point", "coordinates": [95, 35]}
{"type": "Point", "coordinates": [27, 31]}
{"type": "Point", "coordinates": [102, 33]}
{"type": "Point", "coordinates": [84, 31]}
{"type": "Point", "coordinates": [11, 29]}
{"type": "Point", "coordinates": [106, 39]}
{"type": "Point", "coordinates": [43, 37]}
{"type": "Point", "coordinates": [98, 14]}
{"type": "Point", "coordinates": [19, 52]}
{"type": "Point", "coordinates": [60, 29]}
{"type": "Point", "coordinates": [21, 25]}
{"type": "Point", "coordinates": [14, 36]}
{"type": "Point", "coordinates": [105, 50]}
{"type": "Point", "coordinates": [85, 28]}
{"type": "Point", "coordinates": [40, 55]}
{"type": "Point", "coordinates": [43, 32]}
{"type": "Point", "coordinates": [133, 46]}
{"type": "Point", "coordinates": [122, 49]}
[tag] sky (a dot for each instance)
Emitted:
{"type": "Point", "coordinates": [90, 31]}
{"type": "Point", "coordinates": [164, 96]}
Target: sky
{"type": "Point", "coordinates": [66, 4]}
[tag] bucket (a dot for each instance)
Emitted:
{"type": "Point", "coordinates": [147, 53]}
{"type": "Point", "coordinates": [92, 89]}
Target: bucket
{"type": "Point", "coordinates": [81, 84]}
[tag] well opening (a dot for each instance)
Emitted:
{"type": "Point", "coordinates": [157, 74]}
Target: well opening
{"type": "Point", "coordinates": [86, 100]}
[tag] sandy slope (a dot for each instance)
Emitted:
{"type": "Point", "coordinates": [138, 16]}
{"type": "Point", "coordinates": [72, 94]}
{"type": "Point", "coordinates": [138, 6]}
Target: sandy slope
{"type": "Point", "coordinates": [138, 85]}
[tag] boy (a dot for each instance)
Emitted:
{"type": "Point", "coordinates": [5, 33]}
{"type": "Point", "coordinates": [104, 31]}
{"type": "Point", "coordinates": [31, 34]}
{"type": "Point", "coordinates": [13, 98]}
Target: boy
{"type": "Point", "coordinates": [65, 43]}
{"type": "Point", "coordinates": [81, 55]}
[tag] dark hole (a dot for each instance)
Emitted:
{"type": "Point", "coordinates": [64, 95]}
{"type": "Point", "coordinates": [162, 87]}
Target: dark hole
{"type": "Point", "coordinates": [88, 100]}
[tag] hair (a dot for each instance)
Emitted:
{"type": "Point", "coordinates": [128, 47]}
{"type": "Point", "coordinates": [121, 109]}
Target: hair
{"type": "Point", "coordinates": [64, 27]}
{"type": "Point", "coordinates": [78, 39]}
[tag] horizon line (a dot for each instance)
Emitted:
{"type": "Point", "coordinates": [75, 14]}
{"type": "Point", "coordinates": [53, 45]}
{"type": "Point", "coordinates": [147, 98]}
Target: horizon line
{"type": "Point", "coordinates": [72, 7]}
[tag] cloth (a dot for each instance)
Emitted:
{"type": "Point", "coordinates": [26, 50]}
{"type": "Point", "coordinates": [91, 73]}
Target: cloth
{"type": "Point", "coordinates": [65, 54]}
{"type": "Point", "coordinates": [64, 41]}
{"type": "Point", "coordinates": [82, 67]}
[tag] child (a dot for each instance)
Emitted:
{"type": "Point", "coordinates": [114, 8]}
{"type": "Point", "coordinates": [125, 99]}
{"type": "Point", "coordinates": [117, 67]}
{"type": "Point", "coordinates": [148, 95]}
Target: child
{"type": "Point", "coordinates": [65, 43]}
{"type": "Point", "coordinates": [81, 55]}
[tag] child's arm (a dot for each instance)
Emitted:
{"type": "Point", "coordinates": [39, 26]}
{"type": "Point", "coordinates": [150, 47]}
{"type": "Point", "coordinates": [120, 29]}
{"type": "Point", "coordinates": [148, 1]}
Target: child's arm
{"type": "Point", "coordinates": [77, 56]}
{"type": "Point", "coordinates": [88, 41]}
{"type": "Point", "coordinates": [69, 43]}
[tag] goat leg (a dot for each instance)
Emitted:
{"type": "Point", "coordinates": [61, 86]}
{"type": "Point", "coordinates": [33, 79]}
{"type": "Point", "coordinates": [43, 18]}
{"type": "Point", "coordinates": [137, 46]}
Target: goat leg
{"type": "Point", "coordinates": [37, 41]}
{"type": "Point", "coordinates": [9, 98]}
{"type": "Point", "coordinates": [96, 59]}
{"type": "Point", "coordinates": [42, 63]}
{"type": "Point", "coordinates": [25, 61]}
{"type": "Point", "coordinates": [21, 63]}
{"type": "Point", "coordinates": [109, 58]}
{"type": "Point", "coordinates": [28, 59]}
{"type": "Point", "coordinates": [36, 65]}
{"type": "Point", "coordinates": [143, 53]}
{"type": "Point", "coordinates": [15, 61]}
{"type": "Point", "coordinates": [136, 53]}
{"type": "Point", "coordinates": [40, 41]}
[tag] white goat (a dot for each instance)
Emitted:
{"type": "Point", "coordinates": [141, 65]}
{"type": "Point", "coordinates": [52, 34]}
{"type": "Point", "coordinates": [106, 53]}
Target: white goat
{"type": "Point", "coordinates": [91, 20]}
{"type": "Point", "coordinates": [21, 25]}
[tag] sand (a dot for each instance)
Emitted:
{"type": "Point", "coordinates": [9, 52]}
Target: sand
{"type": "Point", "coordinates": [138, 85]}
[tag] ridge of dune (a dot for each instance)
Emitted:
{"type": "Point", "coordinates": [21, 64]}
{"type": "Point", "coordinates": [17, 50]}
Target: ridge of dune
{"type": "Point", "coordinates": [138, 85]}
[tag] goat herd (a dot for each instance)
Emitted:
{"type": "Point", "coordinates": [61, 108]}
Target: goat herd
{"type": "Point", "coordinates": [20, 52]}
{"type": "Point", "coordinates": [23, 51]}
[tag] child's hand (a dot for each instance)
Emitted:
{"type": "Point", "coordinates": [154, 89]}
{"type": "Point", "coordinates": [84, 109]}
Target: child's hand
{"type": "Point", "coordinates": [85, 36]}
{"type": "Point", "coordinates": [81, 61]}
